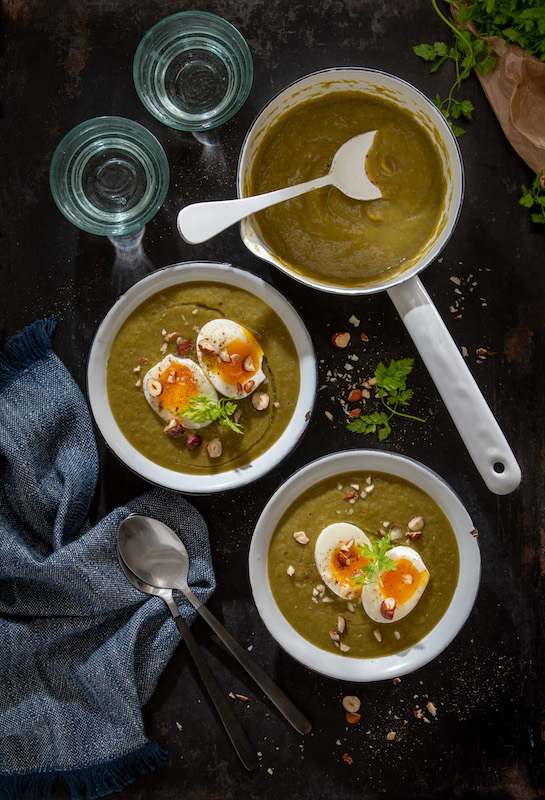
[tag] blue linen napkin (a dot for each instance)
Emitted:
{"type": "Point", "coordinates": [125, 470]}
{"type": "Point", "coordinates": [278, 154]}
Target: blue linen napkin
{"type": "Point", "coordinates": [80, 650]}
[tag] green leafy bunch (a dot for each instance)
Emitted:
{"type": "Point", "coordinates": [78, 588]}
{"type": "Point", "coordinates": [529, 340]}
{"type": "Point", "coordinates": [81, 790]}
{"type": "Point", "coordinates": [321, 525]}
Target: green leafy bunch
{"type": "Point", "coordinates": [378, 560]}
{"type": "Point", "coordinates": [534, 196]}
{"type": "Point", "coordinates": [520, 22]}
{"type": "Point", "coordinates": [206, 409]}
{"type": "Point", "coordinates": [391, 389]}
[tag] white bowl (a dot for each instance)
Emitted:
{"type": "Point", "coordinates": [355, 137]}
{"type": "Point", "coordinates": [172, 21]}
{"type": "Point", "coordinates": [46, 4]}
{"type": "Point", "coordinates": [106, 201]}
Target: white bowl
{"type": "Point", "coordinates": [368, 82]}
{"type": "Point", "coordinates": [98, 360]}
{"type": "Point", "coordinates": [366, 669]}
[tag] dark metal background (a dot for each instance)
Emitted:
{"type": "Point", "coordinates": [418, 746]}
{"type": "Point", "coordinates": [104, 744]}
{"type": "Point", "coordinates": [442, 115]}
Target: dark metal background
{"type": "Point", "coordinates": [64, 62]}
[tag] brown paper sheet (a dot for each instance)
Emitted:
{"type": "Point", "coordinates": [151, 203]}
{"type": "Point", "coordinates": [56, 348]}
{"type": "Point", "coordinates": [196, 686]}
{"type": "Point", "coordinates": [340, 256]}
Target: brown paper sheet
{"type": "Point", "coordinates": [515, 89]}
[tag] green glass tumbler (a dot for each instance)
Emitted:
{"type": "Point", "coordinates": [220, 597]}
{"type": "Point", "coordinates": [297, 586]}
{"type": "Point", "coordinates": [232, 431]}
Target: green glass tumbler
{"type": "Point", "coordinates": [109, 176]}
{"type": "Point", "coordinates": [193, 70]}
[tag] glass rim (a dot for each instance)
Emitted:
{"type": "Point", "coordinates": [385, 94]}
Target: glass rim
{"type": "Point", "coordinates": [75, 140]}
{"type": "Point", "coordinates": [145, 59]}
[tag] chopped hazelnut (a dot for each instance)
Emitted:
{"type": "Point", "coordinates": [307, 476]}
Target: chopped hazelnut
{"type": "Point", "coordinates": [248, 364]}
{"type": "Point", "coordinates": [341, 339]}
{"type": "Point", "coordinates": [260, 401]}
{"type": "Point", "coordinates": [301, 537]}
{"type": "Point", "coordinates": [354, 396]}
{"type": "Point", "coordinates": [431, 708]}
{"type": "Point", "coordinates": [351, 703]}
{"type": "Point", "coordinates": [206, 346]}
{"type": "Point", "coordinates": [388, 607]}
{"type": "Point", "coordinates": [183, 346]}
{"type": "Point", "coordinates": [193, 441]}
{"type": "Point", "coordinates": [174, 429]}
{"type": "Point", "coordinates": [416, 524]}
{"type": "Point", "coordinates": [396, 533]}
{"type": "Point", "coordinates": [154, 387]}
{"type": "Point", "coordinates": [214, 448]}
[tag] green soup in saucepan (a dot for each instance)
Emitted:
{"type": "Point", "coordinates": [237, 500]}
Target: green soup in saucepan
{"type": "Point", "coordinates": [378, 504]}
{"type": "Point", "coordinates": [173, 318]}
{"type": "Point", "coordinates": [325, 235]}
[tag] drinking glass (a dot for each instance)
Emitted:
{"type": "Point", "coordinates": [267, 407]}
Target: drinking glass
{"type": "Point", "coordinates": [109, 176]}
{"type": "Point", "coordinates": [193, 70]}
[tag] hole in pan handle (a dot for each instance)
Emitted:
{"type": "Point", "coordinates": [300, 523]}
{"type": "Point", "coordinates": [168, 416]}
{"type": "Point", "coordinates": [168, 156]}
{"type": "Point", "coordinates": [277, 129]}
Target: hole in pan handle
{"type": "Point", "coordinates": [470, 412]}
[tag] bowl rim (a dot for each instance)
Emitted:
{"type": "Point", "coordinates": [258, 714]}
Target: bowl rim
{"type": "Point", "coordinates": [249, 230]}
{"type": "Point", "coordinates": [186, 272]}
{"type": "Point", "coordinates": [335, 665]}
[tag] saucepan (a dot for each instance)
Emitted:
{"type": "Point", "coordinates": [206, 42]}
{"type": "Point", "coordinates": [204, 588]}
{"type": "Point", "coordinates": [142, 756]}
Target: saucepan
{"type": "Point", "coordinates": [469, 410]}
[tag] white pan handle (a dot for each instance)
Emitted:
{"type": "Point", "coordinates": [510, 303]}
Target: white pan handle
{"type": "Point", "coordinates": [472, 416]}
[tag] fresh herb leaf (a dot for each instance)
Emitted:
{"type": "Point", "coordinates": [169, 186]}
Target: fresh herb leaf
{"type": "Point", "coordinates": [378, 560]}
{"type": "Point", "coordinates": [377, 422]}
{"type": "Point", "coordinates": [535, 196]}
{"type": "Point", "coordinates": [205, 409]}
{"type": "Point", "coordinates": [391, 389]}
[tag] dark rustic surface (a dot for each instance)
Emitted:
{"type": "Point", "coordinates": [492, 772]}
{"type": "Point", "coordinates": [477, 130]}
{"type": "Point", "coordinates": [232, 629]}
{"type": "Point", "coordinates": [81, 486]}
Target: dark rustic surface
{"type": "Point", "coordinates": [66, 61]}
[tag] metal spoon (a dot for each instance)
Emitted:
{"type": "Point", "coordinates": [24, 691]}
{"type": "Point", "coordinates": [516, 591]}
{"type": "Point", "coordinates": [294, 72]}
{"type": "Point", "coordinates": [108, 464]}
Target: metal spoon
{"type": "Point", "coordinates": [201, 221]}
{"type": "Point", "coordinates": [157, 555]}
{"type": "Point", "coordinates": [231, 724]}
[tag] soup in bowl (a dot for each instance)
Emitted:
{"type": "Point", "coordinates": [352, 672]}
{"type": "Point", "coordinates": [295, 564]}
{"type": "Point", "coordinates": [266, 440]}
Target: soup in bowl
{"type": "Point", "coordinates": [202, 377]}
{"type": "Point", "coordinates": [324, 238]}
{"type": "Point", "coordinates": [364, 565]}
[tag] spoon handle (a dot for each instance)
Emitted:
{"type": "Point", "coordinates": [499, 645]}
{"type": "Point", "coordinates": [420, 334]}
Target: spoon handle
{"type": "Point", "coordinates": [273, 692]}
{"type": "Point", "coordinates": [199, 222]}
{"type": "Point", "coordinates": [231, 724]}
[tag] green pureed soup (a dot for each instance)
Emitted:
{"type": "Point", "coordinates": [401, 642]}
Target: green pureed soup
{"type": "Point", "coordinates": [376, 502]}
{"type": "Point", "coordinates": [140, 344]}
{"type": "Point", "coordinates": [325, 235]}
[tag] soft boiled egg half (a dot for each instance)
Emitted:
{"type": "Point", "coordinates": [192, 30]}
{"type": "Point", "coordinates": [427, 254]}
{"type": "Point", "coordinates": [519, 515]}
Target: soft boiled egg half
{"type": "Point", "coordinates": [397, 591]}
{"type": "Point", "coordinates": [339, 559]}
{"type": "Point", "coordinates": [230, 357]}
{"type": "Point", "coordinates": [171, 384]}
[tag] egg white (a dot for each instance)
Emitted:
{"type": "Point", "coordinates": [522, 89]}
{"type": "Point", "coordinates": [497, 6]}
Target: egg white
{"type": "Point", "coordinates": [328, 542]}
{"type": "Point", "coordinates": [218, 338]}
{"type": "Point", "coordinates": [374, 593]}
{"type": "Point", "coordinates": [196, 385]}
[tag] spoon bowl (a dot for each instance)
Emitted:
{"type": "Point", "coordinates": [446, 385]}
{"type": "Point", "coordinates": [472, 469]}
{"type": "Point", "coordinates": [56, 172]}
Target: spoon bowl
{"type": "Point", "coordinates": [201, 221]}
{"type": "Point", "coordinates": [157, 556]}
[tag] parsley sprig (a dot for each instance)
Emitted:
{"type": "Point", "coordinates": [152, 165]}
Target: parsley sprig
{"type": "Point", "coordinates": [391, 389]}
{"type": "Point", "coordinates": [535, 196]}
{"type": "Point", "coordinates": [467, 53]}
{"type": "Point", "coordinates": [205, 409]}
{"type": "Point", "coordinates": [378, 560]}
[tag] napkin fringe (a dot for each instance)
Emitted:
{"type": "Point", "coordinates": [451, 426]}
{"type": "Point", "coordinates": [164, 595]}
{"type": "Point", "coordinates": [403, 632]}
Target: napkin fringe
{"type": "Point", "coordinates": [25, 348]}
{"type": "Point", "coordinates": [89, 783]}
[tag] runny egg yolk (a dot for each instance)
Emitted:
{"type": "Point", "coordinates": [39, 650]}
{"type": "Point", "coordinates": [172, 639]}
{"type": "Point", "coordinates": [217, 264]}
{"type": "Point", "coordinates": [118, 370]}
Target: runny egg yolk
{"type": "Point", "coordinates": [402, 582]}
{"type": "Point", "coordinates": [179, 387]}
{"type": "Point", "coordinates": [242, 355]}
{"type": "Point", "coordinates": [346, 565]}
